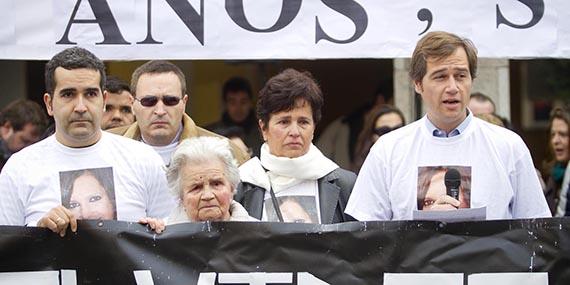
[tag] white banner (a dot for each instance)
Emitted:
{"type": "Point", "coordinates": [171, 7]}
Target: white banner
{"type": "Point", "coordinates": [278, 29]}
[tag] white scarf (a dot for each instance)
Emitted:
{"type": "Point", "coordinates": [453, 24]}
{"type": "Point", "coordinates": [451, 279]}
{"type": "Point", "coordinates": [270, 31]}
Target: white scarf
{"type": "Point", "coordinates": [284, 172]}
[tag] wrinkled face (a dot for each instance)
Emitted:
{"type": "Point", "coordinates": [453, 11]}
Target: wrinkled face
{"type": "Point", "coordinates": [17, 140]}
{"type": "Point", "coordinates": [159, 123]}
{"type": "Point", "coordinates": [387, 122]}
{"type": "Point", "coordinates": [290, 133]}
{"type": "Point", "coordinates": [481, 107]}
{"type": "Point", "coordinates": [89, 200]}
{"type": "Point", "coordinates": [118, 110]}
{"type": "Point", "coordinates": [445, 89]}
{"type": "Point", "coordinates": [559, 139]}
{"type": "Point", "coordinates": [206, 193]}
{"type": "Point", "coordinates": [76, 106]}
{"type": "Point", "coordinates": [238, 105]}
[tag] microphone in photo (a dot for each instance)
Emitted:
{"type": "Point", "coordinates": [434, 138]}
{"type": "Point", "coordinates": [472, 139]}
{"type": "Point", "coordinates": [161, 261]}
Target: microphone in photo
{"type": "Point", "coordinates": [452, 182]}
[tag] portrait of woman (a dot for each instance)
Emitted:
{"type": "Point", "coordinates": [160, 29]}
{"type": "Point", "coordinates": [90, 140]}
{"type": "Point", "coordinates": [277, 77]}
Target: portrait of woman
{"type": "Point", "coordinates": [89, 193]}
{"type": "Point", "coordinates": [431, 187]}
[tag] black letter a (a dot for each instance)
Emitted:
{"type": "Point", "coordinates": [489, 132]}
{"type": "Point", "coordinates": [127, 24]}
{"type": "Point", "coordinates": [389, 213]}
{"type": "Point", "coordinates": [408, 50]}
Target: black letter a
{"type": "Point", "coordinates": [103, 17]}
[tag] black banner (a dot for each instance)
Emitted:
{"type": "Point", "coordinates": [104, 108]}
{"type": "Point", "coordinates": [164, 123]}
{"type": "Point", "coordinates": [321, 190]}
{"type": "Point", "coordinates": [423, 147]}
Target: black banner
{"type": "Point", "coordinates": [113, 252]}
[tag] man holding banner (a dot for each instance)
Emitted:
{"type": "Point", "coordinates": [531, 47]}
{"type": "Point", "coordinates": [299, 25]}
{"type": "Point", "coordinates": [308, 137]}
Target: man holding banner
{"type": "Point", "coordinates": [33, 182]}
{"type": "Point", "coordinates": [493, 161]}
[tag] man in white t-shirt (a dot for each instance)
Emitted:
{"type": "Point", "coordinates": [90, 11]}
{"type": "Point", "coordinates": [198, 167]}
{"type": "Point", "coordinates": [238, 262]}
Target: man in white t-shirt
{"type": "Point", "coordinates": [492, 166]}
{"type": "Point", "coordinates": [80, 171]}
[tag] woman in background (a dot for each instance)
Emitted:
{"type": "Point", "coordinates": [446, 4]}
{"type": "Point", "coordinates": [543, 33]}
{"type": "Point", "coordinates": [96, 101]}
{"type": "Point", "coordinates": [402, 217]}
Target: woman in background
{"type": "Point", "coordinates": [377, 123]}
{"type": "Point", "coordinates": [558, 154]}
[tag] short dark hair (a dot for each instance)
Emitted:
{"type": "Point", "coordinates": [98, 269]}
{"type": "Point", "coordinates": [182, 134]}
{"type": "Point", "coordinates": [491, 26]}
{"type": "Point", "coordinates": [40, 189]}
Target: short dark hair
{"type": "Point", "coordinates": [73, 58]}
{"type": "Point", "coordinates": [116, 85]}
{"type": "Point", "coordinates": [236, 84]}
{"type": "Point", "coordinates": [481, 98]}
{"type": "Point", "coordinates": [157, 67]}
{"type": "Point", "coordinates": [440, 45]}
{"type": "Point", "coordinates": [282, 91]}
{"type": "Point", "coordinates": [22, 112]}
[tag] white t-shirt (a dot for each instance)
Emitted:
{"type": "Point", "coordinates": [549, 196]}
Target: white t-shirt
{"type": "Point", "coordinates": [31, 185]}
{"type": "Point", "coordinates": [502, 175]}
{"type": "Point", "coordinates": [166, 151]}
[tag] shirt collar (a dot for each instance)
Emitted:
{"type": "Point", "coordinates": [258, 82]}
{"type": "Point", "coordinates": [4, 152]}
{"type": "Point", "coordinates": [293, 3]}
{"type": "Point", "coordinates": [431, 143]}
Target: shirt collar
{"type": "Point", "coordinates": [455, 132]}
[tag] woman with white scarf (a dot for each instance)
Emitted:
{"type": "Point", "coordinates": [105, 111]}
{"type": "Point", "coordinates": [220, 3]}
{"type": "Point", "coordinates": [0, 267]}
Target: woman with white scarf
{"type": "Point", "coordinates": [293, 181]}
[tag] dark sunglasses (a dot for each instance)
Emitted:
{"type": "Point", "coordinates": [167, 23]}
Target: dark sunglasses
{"type": "Point", "coordinates": [149, 101]}
{"type": "Point", "coordinates": [384, 130]}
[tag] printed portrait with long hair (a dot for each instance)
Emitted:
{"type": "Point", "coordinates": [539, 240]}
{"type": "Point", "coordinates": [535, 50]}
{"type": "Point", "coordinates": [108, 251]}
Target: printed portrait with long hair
{"type": "Point", "coordinates": [431, 185]}
{"type": "Point", "coordinates": [89, 193]}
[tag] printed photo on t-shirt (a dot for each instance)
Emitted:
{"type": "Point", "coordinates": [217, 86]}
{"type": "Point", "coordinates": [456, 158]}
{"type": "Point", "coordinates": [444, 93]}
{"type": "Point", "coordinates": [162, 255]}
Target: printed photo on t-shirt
{"type": "Point", "coordinates": [294, 209]}
{"type": "Point", "coordinates": [432, 185]}
{"type": "Point", "coordinates": [89, 193]}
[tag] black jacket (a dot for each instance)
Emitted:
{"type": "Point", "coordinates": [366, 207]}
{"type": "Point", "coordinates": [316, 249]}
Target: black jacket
{"type": "Point", "coordinates": [334, 191]}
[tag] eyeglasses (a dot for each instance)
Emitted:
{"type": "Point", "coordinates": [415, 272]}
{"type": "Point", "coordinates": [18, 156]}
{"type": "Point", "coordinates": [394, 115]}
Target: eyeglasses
{"type": "Point", "coordinates": [168, 100]}
{"type": "Point", "coordinates": [384, 130]}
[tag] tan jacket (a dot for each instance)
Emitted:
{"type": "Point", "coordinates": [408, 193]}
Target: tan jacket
{"type": "Point", "coordinates": [190, 130]}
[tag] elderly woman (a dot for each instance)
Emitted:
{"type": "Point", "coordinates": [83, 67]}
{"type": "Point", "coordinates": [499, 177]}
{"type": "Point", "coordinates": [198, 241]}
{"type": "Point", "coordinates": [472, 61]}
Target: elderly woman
{"type": "Point", "coordinates": [293, 181]}
{"type": "Point", "coordinates": [203, 174]}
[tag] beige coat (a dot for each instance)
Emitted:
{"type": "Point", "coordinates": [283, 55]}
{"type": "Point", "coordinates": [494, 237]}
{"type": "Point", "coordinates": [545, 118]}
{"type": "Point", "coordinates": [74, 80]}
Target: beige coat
{"type": "Point", "coordinates": [190, 130]}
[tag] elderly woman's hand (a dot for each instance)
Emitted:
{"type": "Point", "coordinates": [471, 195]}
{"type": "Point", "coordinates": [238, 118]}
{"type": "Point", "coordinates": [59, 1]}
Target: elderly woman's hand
{"type": "Point", "coordinates": [155, 224]}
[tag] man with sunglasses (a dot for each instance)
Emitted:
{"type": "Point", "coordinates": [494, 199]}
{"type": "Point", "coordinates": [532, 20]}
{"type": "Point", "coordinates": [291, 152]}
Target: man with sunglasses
{"type": "Point", "coordinates": [159, 88]}
{"type": "Point", "coordinates": [32, 179]}
{"type": "Point", "coordinates": [490, 163]}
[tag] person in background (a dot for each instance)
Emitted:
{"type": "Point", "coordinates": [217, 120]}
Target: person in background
{"type": "Point", "coordinates": [563, 207]}
{"type": "Point", "coordinates": [235, 134]}
{"type": "Point", "coordinates": [557, 155]}
{"type": "Point", "coordinates": [203, 175]}
{"type": "Point", "coordinates": [339, 139]}
{"type": "Point", "coordinates": [119, 104]}
{"type": "Point", "coordinates": [379, 121]}
{"type": "Point", "coordinates": [22, 123]}
{"type": "Point", "coordinates": [480, 103]}
{"type": "Point", "coordinates": [237, 97]}
{"type": "Point", "coordinates": [290, 166]}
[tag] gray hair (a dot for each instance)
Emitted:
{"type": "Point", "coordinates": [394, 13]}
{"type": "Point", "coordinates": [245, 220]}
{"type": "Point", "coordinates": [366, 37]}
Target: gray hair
{"type": "Point", "coordinates": [200, 150]}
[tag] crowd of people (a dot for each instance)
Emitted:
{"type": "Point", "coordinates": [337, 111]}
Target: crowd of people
{"type": "Point", "coordinates": [131, 153]}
